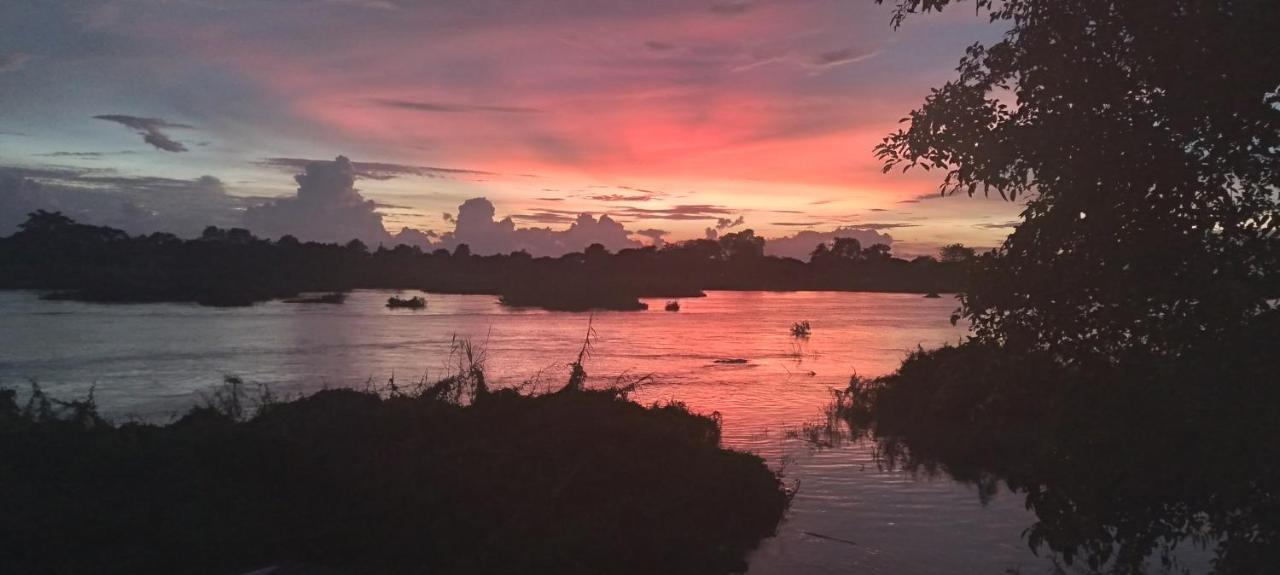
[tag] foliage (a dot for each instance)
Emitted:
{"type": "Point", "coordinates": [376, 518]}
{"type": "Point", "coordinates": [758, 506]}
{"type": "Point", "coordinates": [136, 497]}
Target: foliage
{"type": "Point", "coordinates": [801, 329]}
{"type": "Point", "coordinates": [415, 302]}
{"type": "Point", "coordinates": [1144, 136]}
{"type": "Point", "coordinates": [1120, 373]}
{"type": "Point", "coordinates": [449, 477]}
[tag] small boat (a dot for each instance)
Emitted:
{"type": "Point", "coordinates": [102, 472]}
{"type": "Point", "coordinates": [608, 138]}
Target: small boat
{"type": "Point", "coordinates": [673, 305]}
{"type": "Point", "coordinates": [407, 303]}
{"type": "Point", "coordinates": [932, 295]}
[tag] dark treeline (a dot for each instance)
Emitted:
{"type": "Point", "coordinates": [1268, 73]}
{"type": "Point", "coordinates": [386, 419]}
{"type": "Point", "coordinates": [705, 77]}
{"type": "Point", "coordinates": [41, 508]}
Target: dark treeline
{"type": "Point", "coordinates": [232, 267]}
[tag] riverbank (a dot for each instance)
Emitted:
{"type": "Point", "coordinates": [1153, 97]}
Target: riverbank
{"type": "Point", "coordinates": [232, 268]}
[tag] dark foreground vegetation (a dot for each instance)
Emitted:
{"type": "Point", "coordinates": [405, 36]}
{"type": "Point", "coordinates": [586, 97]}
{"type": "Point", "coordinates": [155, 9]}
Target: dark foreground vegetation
{"type": "Point", "coordinates": [233, 268]}
{"type": "Point", "coordinates": [1122, 371]}
{"type": "Point", "coordinates": [444, 478]}
{"type": "Point", "coordinates": [1122, 466]}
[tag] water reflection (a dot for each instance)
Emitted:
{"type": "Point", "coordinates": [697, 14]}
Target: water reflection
{"type": "Point", "coordinates": [150, 360]}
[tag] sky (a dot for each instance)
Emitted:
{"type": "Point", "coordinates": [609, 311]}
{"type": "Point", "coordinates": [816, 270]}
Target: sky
{"type": "Point", "coordinates": [677, 119]}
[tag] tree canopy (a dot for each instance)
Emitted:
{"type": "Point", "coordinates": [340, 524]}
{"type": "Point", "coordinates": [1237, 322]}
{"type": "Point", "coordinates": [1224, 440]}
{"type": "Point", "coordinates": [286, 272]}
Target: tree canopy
{"type": "Point", "coordinates": [1143, 137]}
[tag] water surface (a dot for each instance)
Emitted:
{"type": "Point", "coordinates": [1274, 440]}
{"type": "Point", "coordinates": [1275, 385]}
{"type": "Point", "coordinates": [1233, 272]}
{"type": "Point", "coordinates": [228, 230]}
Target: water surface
{"type": "Point", "coordinates": [150, 361]}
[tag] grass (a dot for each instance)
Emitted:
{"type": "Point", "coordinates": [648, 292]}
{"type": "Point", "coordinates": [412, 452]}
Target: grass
{"type": "Point", "coordinates": [443, 477]}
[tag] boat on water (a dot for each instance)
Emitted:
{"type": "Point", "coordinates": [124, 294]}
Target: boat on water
{"type": "Point", "coordinates": [673, 305]}
{"type": "Point", "coordinates": [415, 302]}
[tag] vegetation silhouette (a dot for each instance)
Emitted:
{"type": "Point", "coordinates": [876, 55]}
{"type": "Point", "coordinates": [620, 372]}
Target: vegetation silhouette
{"type": "Point", "coordinates": [231, 267]}
{"type": "Point", "coordinates": [1121, 370]}
{"type": "Point", "coordinates": [415, 302]}
{"type": "Point", "coordinates": [328, 298]}
{"type": "Point", "coordinates": [801, 329]}
{"type": "Point", "coordinates": [448, 477]}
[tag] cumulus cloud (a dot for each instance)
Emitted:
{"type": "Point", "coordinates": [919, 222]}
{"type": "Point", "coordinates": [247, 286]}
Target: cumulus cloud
{"type": "Point", "coordinates": [328, 208]}
{"type": "Point", "coordinates": [414, 237]}
{"type": "Point", "coordinates": [151, 130]}
{"type": "Point", "coordinates": [801, 244]}
{"type": "Point", "coordinates": [475, 226]}
{"type": "Point", "coordinates": [654, 234]}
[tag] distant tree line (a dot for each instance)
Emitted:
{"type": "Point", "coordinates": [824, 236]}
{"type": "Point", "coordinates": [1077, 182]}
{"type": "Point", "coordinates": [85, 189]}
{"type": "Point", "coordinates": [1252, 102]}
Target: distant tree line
{"type": "Point", "coordinates": [233, 267]}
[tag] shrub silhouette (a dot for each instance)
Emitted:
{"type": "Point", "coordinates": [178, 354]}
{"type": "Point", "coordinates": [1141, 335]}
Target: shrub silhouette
{"type": "Point", "coordinates": [449, 477]}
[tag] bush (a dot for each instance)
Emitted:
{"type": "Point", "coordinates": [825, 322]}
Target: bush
{"type": "Point", "coordinates": [443, 478]}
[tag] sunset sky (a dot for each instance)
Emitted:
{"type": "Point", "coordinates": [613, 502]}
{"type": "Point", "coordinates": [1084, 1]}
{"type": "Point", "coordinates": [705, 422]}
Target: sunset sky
{"type": "Point", "coordinates": [667, 115]}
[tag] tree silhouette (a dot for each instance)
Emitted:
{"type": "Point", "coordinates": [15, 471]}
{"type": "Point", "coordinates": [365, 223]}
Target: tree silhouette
{"type": "Point", "coordinates": [956, 253]}
{"type": "Point", "coordinates": [1143, 136]}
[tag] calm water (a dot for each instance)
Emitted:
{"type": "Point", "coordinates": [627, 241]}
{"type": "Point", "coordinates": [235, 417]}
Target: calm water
{"type": "Point", "coordinates": [152, 360]}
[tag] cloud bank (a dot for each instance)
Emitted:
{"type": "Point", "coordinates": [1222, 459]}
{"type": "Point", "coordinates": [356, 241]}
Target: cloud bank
{"type": "Point", "coordinates": [138, 205]}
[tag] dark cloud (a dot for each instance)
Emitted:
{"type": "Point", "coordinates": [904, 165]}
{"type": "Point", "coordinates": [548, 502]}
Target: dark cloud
{"type": "Point", "coordinates": [682, 212]}
{"type": "Point", "coordinates": [997, 226]}
{"type": "Point", "coordinates": [637, 195]}
{"type": "Point", "coordinates": [87, 155]}
{"type": "Point", "coordinates": [801, 244]}
{"type": "Point", "coordinates": [840, 57]}
{"type": "Point", "coordinates": [447, 108]}
{"type": "Point", "coordinates": [923, 197]}
{"type": "Point", "coordinates": [728, 223]}
{"type": "Point", "coordinates": [820, 202]}
{"type": "Point", "coordinates": [657, 46]}
{"type": "Point", "coordinates": [544, 218]}
{"type": "Point", "coordinates": [551, 199]}
{"type": "Point", "coordinates": [327, 208]}
{"type": "Point", "coordinates": [880, 226]}
{"type": "Point", "coordinates": [730, 7]}
{"type": "Point", "coordinates": [151, 130]}
{"type": "Point", "coordinates": [377, 170]}
{"type": "Point", "coordinates": [620, 198]}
